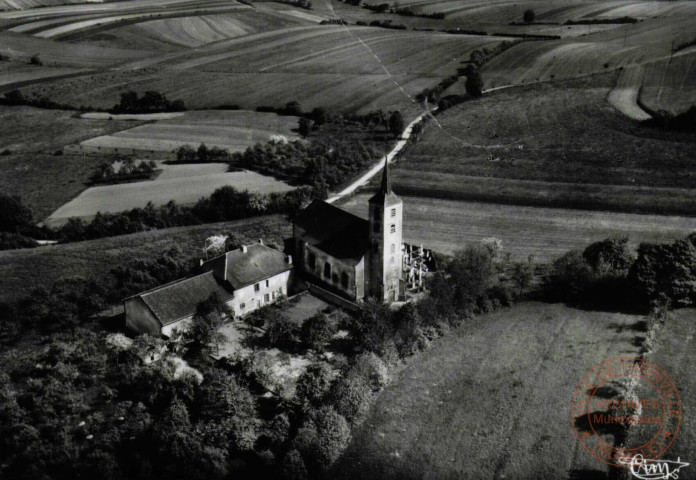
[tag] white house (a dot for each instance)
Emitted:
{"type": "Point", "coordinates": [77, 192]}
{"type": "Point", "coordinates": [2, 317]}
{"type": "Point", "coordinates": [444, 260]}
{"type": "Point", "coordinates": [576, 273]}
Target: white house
{"type": "Point", "coordinates": [245, 279]}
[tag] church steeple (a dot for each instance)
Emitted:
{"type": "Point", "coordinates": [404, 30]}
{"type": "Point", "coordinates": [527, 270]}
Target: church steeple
{"type": "Point", "coordinates": [385, 196]}
{"type": "Point", "coordinates": [383, 266]}
{"type": "Point", "coordinates": [386, 183]}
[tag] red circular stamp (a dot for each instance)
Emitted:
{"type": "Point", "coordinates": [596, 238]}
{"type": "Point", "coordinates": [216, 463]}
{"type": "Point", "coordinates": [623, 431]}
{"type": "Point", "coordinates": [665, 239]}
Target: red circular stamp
{"type": "Point", "coordinates": [620, 393]}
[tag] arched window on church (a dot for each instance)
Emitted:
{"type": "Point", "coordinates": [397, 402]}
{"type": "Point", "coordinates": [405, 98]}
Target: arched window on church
{"type": "Point", "coordinates": [327, 270]}
{"type": "Point", "coordinates": [344, 280]}
{"type": "Point", "coordinates": [392, 229]}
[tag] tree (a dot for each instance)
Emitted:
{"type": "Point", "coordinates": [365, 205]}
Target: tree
{"type": "Point", "coordinates": [319, 116]}
{"type": "Point", "coordinates": [317, 331]}
{"type": "Point", "coordinates": [208, 318]}
{"type": "Point", "coordinates": [529, 16]}
{"type": "Point", "coordinates": [35, 60]}
{"type": "Point", "coordinates": [396, 123]}
{"type": "Point", "coordinates": [14, 214]}
{"type": "Point", "coordinates": [305, 126]}
{"type": "Point", "coordinates": [474, 83]}
{"type": "Point", "coordinates": [569, 276]}
{"type": "Point", "coordinates": [293, 108]}
{"type": "Point", "coordinates": [522, 275]}
{"type": "Point", "coordinates": [470, 273]}
{"type": "Point", "coordinates": [351, 397]}
{"type": "Point", "coordinates": [609, 257]}
{"type": "Point", "coordinates": [313, 385]}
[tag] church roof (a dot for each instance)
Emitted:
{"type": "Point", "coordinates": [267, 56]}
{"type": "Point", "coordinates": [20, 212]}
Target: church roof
{"type": "Point", "coordinates": [385, 195]}
{"type": "Point", "coordinates": [177, 300]}
{"type": "Point", "coordinates": [336, 232]}
{"type": "Point", "coordinates": [248, 265]}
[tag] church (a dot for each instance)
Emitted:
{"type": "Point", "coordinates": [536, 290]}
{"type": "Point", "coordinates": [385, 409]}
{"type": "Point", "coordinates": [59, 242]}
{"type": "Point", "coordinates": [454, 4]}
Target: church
{"type": "Point", "coordinates": [348, 255]}
{"type": "Point", "coordinates": [332, 251]}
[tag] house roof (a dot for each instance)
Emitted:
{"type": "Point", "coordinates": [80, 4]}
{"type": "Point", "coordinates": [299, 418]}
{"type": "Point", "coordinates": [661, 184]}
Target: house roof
{"type": "Point", "coordinates": [177, 300]}
{"type": "Point", "coordinates": [240, 268]}
{"type": "Point", "coordinates": [338, 233]}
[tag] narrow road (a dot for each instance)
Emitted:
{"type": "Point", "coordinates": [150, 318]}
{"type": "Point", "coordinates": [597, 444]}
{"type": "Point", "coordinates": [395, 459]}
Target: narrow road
{"type": "Point", "coordinates": [379, 165]}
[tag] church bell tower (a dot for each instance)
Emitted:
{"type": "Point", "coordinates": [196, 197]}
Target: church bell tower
{"type": "Point", "coordinates": [384, 257]}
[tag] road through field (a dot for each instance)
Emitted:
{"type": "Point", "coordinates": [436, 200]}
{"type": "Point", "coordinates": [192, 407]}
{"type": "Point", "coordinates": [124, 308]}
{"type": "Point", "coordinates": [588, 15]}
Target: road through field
{"type": "Point", "coordinates": [379, 165]}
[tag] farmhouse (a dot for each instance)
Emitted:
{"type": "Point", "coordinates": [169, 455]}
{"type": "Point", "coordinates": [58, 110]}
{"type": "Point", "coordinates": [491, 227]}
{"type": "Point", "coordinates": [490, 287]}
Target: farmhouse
{"type": "Point", "coordinates": [350, 256]}
{"type": "Point", "coordinates": [338, 254]}
{"type": "Point", "coordinates": [245, 279]}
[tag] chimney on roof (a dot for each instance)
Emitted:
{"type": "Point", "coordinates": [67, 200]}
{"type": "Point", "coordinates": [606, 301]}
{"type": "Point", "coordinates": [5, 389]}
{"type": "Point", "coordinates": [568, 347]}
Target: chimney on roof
{"type": "Point", "coordinates": [244, 249]}
{"type": "Point", "coordinates": [261, 241]}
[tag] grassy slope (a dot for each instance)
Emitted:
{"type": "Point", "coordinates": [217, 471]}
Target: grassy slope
{"type": "Point", "coordinates": [318, 66]}
{"type": "Point", "coordinates": [552, 132]}
{"type": "Point", "coordinates": [490, 400]}
{"type": "Point", "coordinates": [22, 270]}
{"type": "Point", "coordinates": [43, 180]}
{"type": "Point", "coordinates": [675, 353]}
{"type": "Point", "coordinates": [671, 84]}
{"type": "Point", "coordinates": [546, 233]}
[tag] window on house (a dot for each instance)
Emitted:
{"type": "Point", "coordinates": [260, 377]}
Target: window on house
{"type": "Point", "coordinates": [312, 260]}
{"type": "Point", "coordinates": [344, 280]}
{"type": "Point", "coordinates": [257, 287]}
{"type": "Point", "coordinates": [267, 284]}
{"type": "Point", "coordinates": [393, 212]}
{"type": "Point", "coordinates": [392, 229]}
{"type": "Point", "coordinates": [327, 270]}
{"type": "Point", "coordinates": [266, 298]}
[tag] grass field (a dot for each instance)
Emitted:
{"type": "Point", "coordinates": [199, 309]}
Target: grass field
{"type": "Point", "coordinates": [629, 45]}
{"type": "Point", "coordinates": [231, 130]}
{"type": "Point", "coordinates": [326, 66]}
{"type": "Point", "coordinates": [46, 181]}
{"type": "Point", "coordinates": [671, 84]}
{"type": "Point", "coordinates": [564, 134]}
{"type": "Point", "coordinates": [184, 189]}
{"type": "Point", "coordinates": [19, 268]}
{"type": "Point", "coordinates": [491, 399]}
{"type": "Point", "coordinates": [546, 233]}
{"type": "Point", "coordinates": [675, 353]}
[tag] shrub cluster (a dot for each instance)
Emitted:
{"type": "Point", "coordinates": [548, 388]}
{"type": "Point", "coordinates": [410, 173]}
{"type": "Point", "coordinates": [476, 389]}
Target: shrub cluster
{"type": "Point", "coordinates": [129, 170]}
{"type": "Point", "coordinates": [150, 102]}
{"type": "Point", "coordinates": [203, 154]}
{"type": "Point", "coordinates": [608, 274]}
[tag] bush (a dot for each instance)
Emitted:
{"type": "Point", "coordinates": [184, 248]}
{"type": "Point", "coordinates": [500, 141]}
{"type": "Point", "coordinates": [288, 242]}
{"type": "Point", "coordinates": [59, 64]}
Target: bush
{"type": "Point", "coordinates": [529, 16]}
{"type": "Point", "coordinates": [474, 84]}
{"type": "Point", "coordinates": [283, 333]}
{"type": "Point", "coordinates": [14, 215]}
{"type": "Point", "coordinates": [317, 331]}
{"type": "Point", "coordinates": [569, 277]}
{"type": "Point", "coordinates": [313, 385]}
{"type": "Point", "coordinates": [609, 257]}
{"type": "Point", "coordinates": [35, 60]}
{"type": "Point", "coordinates": [351, 396]}
{"type": "Point", "coordinates": [372, 368]}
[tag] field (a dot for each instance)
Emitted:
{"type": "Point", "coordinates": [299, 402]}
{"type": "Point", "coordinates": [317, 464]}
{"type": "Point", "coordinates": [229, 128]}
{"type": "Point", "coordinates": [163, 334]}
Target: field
{"type": "Point", "coordinates": [564, 134]}
{"type": "Point", "coordinates": [31, 168]}
{"type": "Point", "coordinates": [325, 66]}
{"type": "Point", "coordinates": [492, 399]}
{"type": "Point", "coordinates": [670, 84]}
{"type": "Point", "coordinates": [231, 130]}
{"type": "Point", "coordinates": [675, 353]}
{"type": "Point", "coordinates": [90, 259]}
{"type": "Point", "coordinates": [545, 233]}
{"type": "Point", "coordinates": [185, 188]}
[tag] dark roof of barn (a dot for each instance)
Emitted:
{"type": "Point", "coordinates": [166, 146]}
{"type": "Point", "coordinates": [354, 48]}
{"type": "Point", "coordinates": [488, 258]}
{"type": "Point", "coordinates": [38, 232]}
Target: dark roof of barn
{"type": "Point", "coordinates": [177, 300]}
{"type": "Point", "coordinates": [245, 268]}
{"type": "Point", "coordinates": [338, 233]}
